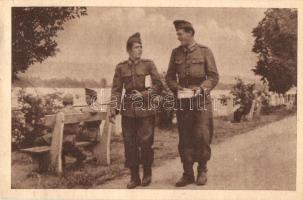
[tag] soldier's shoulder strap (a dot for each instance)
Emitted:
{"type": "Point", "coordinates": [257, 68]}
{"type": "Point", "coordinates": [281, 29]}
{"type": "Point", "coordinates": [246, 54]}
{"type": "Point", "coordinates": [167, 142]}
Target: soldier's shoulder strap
{"type": "Point", "coordinates": [121, 64]}
{"type": "Point", "coordinates": [202, 46]}
{"type": "Point", "coordinates": [178, 48]}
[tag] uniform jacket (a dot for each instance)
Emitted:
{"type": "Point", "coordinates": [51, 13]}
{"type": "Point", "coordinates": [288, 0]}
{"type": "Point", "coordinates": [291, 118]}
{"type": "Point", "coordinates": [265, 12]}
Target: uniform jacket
{"type": "Point", "coordinates": [192, 67]}
{"type": "Point", "coordinates": [89, 131]}
{"type": "Point", "coordinates": [131, 76]}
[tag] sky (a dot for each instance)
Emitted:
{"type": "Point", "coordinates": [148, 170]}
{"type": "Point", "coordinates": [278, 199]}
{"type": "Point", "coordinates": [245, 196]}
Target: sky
{"type": "Point", "coordinates": [91, 46]}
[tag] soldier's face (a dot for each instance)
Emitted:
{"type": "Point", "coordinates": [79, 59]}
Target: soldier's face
{"type": "Point", "coordinates": [185, 38]}
{"type": "Point", "coordinates": [136, 51]}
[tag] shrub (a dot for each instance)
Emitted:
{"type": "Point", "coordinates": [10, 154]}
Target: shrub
{"type": "Point", "coordinates": [243, 94]}
{"type": "Point", "coordinates": [27, 122]}
{"type": "Point", "coordinates": [223, 99]}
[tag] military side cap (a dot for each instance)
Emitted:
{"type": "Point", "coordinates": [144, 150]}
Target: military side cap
{"type": "Point", "coordinates": [90, 92]}
{"type": "Point", "coordinates": [68, 98]}
{"type": "Point", "coordinates": [134, 38]}
{"type": "Point", "coordinates": [182, 24]}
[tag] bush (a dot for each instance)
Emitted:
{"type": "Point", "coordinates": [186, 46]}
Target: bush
{"type": "Point", "coordinates": [243, 94]}
{"type": "Point", "coordinates": [265, 101]}
{"type": "Point", "coordinates": [223, 99]}
{"type": "Point", "coordinates": [27, 122]}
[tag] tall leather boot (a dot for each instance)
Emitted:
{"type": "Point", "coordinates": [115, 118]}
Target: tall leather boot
{"type": "Point", "coordinates": [188, 175]}
{"type": "Point", "coordinates": [134, 178]}
{"type": "Point", "coordinates": [147, 175]}
{"type": "Point", "coordinates": [201, 177]}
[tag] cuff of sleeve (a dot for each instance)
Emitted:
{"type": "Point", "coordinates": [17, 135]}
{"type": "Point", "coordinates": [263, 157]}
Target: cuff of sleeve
{"type": "Point", "coordinates": [204, 89]}
{"type": "Point", "coordinates": [145, 93]}
{"type": "Point", "coordinates": [114, 111]}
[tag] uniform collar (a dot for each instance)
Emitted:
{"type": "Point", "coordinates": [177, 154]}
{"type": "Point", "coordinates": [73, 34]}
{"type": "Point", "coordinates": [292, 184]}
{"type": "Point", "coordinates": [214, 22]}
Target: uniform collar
{"type": "Point", "coordinates": [190, 47]}
{"type": "Point", "coordinates": [131, 62]}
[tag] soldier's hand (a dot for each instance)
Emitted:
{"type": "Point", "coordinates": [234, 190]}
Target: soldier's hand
{"type": "Point", "coordinates": [112, 116]}
{"type": "Point", "coordinates": [180, 88]}
{"type": "Point", "coordinates": [112, 119]}
{"type": "Point", "coordinates": [136, 93]}
{"type": "Point", "coordinates": [197, 91]}
{"type": "Point", "coordinates": [156, 100]}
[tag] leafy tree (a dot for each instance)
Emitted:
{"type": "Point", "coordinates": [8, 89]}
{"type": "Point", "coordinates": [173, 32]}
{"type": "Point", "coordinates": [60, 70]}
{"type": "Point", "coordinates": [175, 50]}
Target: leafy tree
{"type": "Point", "coordinates": [276, 46]}
{"type": "Point", "coordinates": [34, 30]}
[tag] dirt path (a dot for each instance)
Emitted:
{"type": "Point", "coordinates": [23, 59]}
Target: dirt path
{"type": "Point", "coordinates": [264, 158]}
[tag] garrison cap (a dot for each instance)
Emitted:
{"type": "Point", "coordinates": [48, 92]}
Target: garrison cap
{"type": "Point", "coordinates": [90, 92]}
{"type": "Point", "coordinates": [182, 24]}
{"type": "Point", "coordinates": [68, 98]}
{"type": "Point", "coordinates": [134, 38]}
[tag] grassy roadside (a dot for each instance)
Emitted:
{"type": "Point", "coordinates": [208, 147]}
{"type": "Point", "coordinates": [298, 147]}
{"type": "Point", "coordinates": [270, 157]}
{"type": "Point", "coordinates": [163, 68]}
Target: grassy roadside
{"type": "Point", "coordinates": [165, 147]}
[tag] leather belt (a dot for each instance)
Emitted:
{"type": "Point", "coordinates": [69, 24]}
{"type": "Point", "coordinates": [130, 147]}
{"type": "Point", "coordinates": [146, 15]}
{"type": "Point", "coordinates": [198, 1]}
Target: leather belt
{"type": "Point", "coordinates": [128, 92]}
{"type": "Point", "coordinates": [191, 81]}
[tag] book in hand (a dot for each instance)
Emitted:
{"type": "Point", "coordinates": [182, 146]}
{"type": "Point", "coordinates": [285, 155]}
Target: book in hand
{"type": "Point", "coordinates": [148, 81]}
{"type": "Point", "coordinates": [185, 93]}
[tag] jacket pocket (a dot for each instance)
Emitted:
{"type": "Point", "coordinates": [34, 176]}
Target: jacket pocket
{"type": "Point", "coordinates": [126, 77]}
{"type": "Point", "coordinates": [197, 68]}
{"type": "Point", "coordinates": [179, 63]}
{"type": "Point", "coordinates": [142, 74]}
{"type": "Point", "coordinates": [126, 73]}
{"type": "Point", "coordinates": [141, 71]}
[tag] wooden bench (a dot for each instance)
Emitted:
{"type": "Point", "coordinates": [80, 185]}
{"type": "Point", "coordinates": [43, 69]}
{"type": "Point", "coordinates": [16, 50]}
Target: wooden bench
{"type": "Point", "coordinates": [40, 154]}
{"type": "Point", "coordinates": [50, 157]}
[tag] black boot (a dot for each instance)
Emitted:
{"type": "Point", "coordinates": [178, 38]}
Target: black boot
{"type": "Point", "coordinates": [201, 177]}
{"type": "Point", "coordinates": [188, 175]}
{"type": "Point", "coordinates": [147, 175]}
{"type": "Point", "coordinates": [135, 178]}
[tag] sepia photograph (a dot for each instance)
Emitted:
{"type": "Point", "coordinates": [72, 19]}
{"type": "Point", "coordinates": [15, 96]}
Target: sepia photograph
{"type": "Point", "coordinates": [185, 98]}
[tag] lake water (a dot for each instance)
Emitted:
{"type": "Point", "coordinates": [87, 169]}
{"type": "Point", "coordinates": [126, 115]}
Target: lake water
{"type": "Point", "coordinates": [79, 93]}
{"type": "Point", "coordinates": [103, 95]}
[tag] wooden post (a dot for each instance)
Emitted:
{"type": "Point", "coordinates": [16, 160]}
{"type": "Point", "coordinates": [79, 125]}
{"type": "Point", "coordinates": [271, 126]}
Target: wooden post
{"type": "Point", "coordinates": [118, 126]}
{"type": "Point", "coordinates": [277, 99]}
{"type": "Point", "coordinates": [251, 112]}
{"type": "Point", "coordinates": [215, 106]}
{"type": "Point", "coordinates": [113, 128]}
{"type": "Point", "coordinates": [258, 110]}
{"type": "Point", "coordinates": [56, 145]}
{"type": "Point", "coordinates": [230, 108]}
{"type": "Point", "coordinates": [102, 148]}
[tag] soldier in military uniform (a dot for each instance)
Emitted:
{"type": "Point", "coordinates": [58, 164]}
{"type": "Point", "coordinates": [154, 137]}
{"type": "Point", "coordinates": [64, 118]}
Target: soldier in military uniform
{"type": "Point", "coordinates": [70, 132]}
{"type": "Point", "coordinates": [138, 115]}
{"type": "Point", "coordinates": [192, 66]}
{"type": "Point", "coordinates": [90, 130]}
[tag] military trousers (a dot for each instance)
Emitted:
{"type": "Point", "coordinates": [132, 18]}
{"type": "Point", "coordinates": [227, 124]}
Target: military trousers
{"type": "Point", "coordinates": [195, 128]}
{"type": "Point", "coordinates": [138, 137]}
{"type": "Point", "coordinates": [70, 148]}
